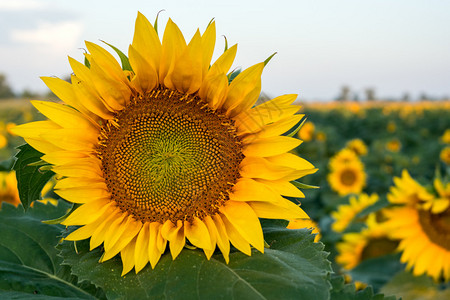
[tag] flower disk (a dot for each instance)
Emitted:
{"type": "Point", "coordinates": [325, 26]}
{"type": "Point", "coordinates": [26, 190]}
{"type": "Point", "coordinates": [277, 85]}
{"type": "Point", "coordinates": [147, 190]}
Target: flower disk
{"type": "Point", "coordinates": [169, 156]}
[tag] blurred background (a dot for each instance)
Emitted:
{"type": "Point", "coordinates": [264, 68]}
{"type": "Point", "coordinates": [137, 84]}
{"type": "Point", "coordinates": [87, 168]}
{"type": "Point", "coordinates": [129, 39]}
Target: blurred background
{"type": "Point", "coordinates": [326, 49]}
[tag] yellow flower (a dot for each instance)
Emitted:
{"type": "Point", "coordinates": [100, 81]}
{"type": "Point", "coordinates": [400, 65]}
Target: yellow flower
{"type": "Point", "coordinates": [348, 178]}
{"type": "Point", "coordinates": [10, 126]}
{"type": "Point", "coordinates": [342, 157]}
{"type": "Point", "coordinates": [168, 150]}
{"type": "Point", "coordinates": [8, 188]}
{"type": "Point", "coordinates": [3, 141]}
{"type": "Point", "coordinates": [372, 241]}
{"type": "Point", "coordinates": [346, 213]}
{"type": "Point", "coordinates": [321, 136]}
{"type": "Point", "coordinates": [306, 223]}
{"type": "Point", "coordinates": [391, 127]}
{"type": "Point", "coordinates": [394, 145]}
{"type": "Point", "coordinates": [357, 146]}
{"type": "Point", "coordinates": [445, 138]}
{"type": "Point", "coordinates": [408, 191]}
{"type": "Point", "coordinates": [442, 202]}
{"type": "Point", "coordinates": [424, 239]}
{"type": "Point", "coordinates": [445, 155]}
{"type": "Point", "coordinates": [306, 132]}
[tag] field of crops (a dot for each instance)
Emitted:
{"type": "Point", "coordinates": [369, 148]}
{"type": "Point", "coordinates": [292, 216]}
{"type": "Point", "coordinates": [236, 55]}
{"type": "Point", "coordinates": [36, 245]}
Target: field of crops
{"type": "Point", "coordinates": [380, 198]}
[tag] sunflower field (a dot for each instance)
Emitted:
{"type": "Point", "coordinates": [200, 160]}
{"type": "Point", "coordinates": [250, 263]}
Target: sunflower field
{"type": "Point", "coordinates": [167, 176]}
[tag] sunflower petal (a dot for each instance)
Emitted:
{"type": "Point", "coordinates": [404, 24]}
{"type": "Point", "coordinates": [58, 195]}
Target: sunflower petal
{"type": "Point", "coordinates": [146, 42]}
{"type": "Point", "coordinates": [197, 233]}
{"type": "Point", "coordinates": [141, 248]}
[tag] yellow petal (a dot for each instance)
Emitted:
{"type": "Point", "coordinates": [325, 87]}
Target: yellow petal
{"type": "Point", "coordinates": [87, 230]}
{"type": "Point", "coordinates": [132, 228]}
{"type": "Point", "coordinates": [285, 210]}
{"type": "Point", "coordinates": [283, 187]}
{"type": "Point", "coordinates": [63, 157]}
{"type": "Point", "coordinates": [245, 221]}
{"type": "Point", "coordinates": [146, 77]}
{"type": "Point", "coordinates": [235, 237]}
{"type": "Point", "coordinates": [186, 75]}
{"type": "Point", "coordinates": [222, 237]}
{"type": "Point", "coordinates": [35, 129]}
{"type": "Point", "coordinates": [247, 189]}
{"type": "Point", "coordinates": [271, 146]}
{"type": "Point", "coordinates": [223, 64]}
{"type": "Point", "coordinates": [214, 90]}
{"type": "Point", "coordinates": [244, 90]}
{"type": "Point", "coordinates": [63, 115]}
{"type": "Point", "coordinates": [83, 194]}
{"type": "Point", "coordinates": [258, 167]}
{"type": "Point", "coordinates": [42, 146]}
{"type": "Point", "coordinates": [274, 129]}
{"type": "Point", "coordinates": [141, 248]}
{"type": "Point", "coordinates": [173, 45]}
{"type": "Point", "coordinates": [88, 212]}
{"type": "Point", "coordinates": [98, 235]}
{"type": "Point", "coordinates": [197, 233]}
{"type": "Point", "coordinates": [153, 253]}
{"type": "Point", "coordinates": [127, 255]}
{"type": "Point", "coordinates": [72, 139]}
{"type": "Point", "coordinates": [146, 42]}
{"type": "Point", "coordinates": [208, 43]}
{"type": "Point", "coordinates": [212, 233]}
{"type": "Point", "coordinates": [290, 160]}
{"type": "Point", "coordinates": [175, 235]}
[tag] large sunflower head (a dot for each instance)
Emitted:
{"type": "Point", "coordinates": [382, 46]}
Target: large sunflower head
{"type": "Point", "coordinates": [165, 149]}
{"type": "Point", "coordinates": [345, 213]}
{"type": "Point", "coordinates": [347, 178]}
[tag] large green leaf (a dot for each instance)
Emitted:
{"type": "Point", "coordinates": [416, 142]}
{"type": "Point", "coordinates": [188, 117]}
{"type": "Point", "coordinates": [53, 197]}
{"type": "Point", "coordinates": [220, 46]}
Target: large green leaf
{"type": "Point", "coordinates": [31, 178]}
{"type": "Point", "coordinates": [29, 261]}
{"type": "Point", "coordinates": [293, 268]}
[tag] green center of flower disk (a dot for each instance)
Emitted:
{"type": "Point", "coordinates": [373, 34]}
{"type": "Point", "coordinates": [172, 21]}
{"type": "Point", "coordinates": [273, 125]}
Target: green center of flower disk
{"type": "Point", "coordinates": [168, 156]}
{"type": "Point", "coordinates": [436, 227]}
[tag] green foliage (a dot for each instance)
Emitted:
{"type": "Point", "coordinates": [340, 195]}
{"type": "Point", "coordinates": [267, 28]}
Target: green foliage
{"type": "Point", "coordinates": [123, 58]}
{"type": "Point", "coordinates": [31, 178]}
{"type": "Point", "coordinates": [293, 268]}
{"type": "Point", "coordinates": [342, 291]}
{"type": "Point", "coordinates": [29, 264]}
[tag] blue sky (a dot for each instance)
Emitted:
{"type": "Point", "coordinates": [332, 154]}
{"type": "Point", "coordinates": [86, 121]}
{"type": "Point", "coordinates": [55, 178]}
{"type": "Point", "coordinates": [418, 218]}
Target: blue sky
{"type": "Point", "coordinates": [393, 46]}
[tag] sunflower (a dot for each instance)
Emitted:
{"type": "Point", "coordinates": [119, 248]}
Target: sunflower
{"type": "Point", "coordinates": [372, 241]}
{"type": "Point", "coordinates": [306, 132]}
{"type": "Point", "coordinates": [8, 188]}
{"type": "Point", "coordinates": [442, 202]}
{"type": "Point", "coordinates": [394, 145]}
{"type": "Point", "coordinates": [346, 213]}
{"type": "Point", "coordinates": [424, 239]}
{"type": "Point", "coordinates": [445, 138]}
{"type": "Point", "coordinates": [344, 156]}
{"type": "Point", "coordinates": [3, 141]}
{"type": "Point", "coordinates": [306, 223]}
{"type": "Point", "coordinates": [445, 155]}
{"type": "Point", "coordinates": [408, 191]}
{"type": "Point", "coordinates": [167, 150]}
{"type": "Point", "coordinates": [391, 127]}
{"type": "Point", "coordinates": [347, 178]}
{"type": "Point", "coordinates": [357, 146]}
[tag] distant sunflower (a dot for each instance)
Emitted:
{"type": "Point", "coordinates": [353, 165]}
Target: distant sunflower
{"type": "Point", "coordinates": [168, 149]}
{"type": "Point", "coordinates": [346, 213]}
{"type": "Point", "coordinates": [424, 239]}
{"type": "Point", "coordinates": [306, 132]}
{"type": "Point", "coordinates": [394, 145]}
{"type": "Point", "coordinates": [357, 146]}
{"type": "Point", "coordinates": [306, 223]}
{"type": "Point", "coordinates": [445, 155]}
{"type": "Point", "coordinates": [347, 178]}
{"type": "Point", "coordinates": [3, 141]}
{"type": "Point", "coordinates": [8, 188]}
{"type": "Point", "coordinates": [445, 138]}
{"type": "Point", "coordinates": [345, 155]}
{"type": "Point", "coordinates": [372, 241]}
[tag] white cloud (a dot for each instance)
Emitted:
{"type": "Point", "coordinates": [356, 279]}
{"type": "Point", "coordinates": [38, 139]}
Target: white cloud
{"type": "Point", "coordinates": [61, 36]}
{"type": "Point", "coordinates": [20, 5]}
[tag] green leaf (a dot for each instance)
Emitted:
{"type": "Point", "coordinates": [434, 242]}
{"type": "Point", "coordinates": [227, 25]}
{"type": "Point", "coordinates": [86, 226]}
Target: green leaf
{"type": "Point", "coordinates": [410, 287]}
{"type": "Point", "coordinates": [294, 267]}
{"type": "Point", "coordinates": [269, 58]}
{"type": "Point", "coordinates": [342, 291]}
{"type": "Point", "coordinates": [304, 186]}
{"type": "Point", "coordinates": [233, 75]}
{"type": "Point", "coordinates": [62, 218]}
{"type": "Point", "coordinates": [296, 129]}
{"type": "Point", "coordinates": [377, 271]}
{"type": "Point", "coordinates": [29, 261]}
{"type": "Point", "coordinates": [30, 178]}
{"type": "Point", "coordinates": [86, 62]}
{"type": "Point", "coordinates": [123, 58]}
